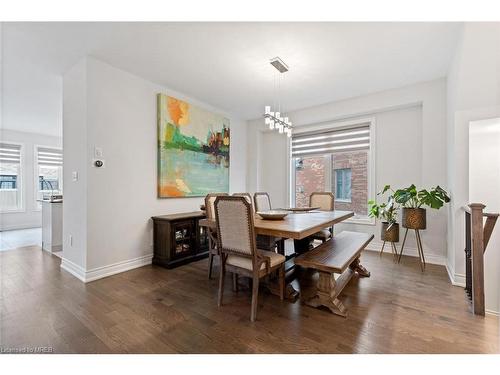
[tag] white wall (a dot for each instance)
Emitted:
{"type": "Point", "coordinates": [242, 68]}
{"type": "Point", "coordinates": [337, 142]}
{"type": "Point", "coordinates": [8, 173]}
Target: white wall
{"type": "Point", "coordinates": [473, 92]}
{"type": "Point", "coordinates": [484, 186]}
{"type": "Point", "coordinates": [75, 160]}
{"type": "Point", "coordinates": [410, 148]}
{"type": "Point", "coordinates": [30, 216]}
{"type": "Point", "coordinates": [122, 196]}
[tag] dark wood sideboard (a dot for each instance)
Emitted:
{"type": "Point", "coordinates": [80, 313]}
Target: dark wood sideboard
{"type": "Point", "coordinates": [179, 239]}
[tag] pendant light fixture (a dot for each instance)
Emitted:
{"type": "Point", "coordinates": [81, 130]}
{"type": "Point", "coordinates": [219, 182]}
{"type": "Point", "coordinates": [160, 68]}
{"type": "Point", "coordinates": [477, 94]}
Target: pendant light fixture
{"type": "Point", "coordinates": [273, 116]}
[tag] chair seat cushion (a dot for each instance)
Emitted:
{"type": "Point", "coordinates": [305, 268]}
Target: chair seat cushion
{"type": "Point", "coordinates": [246, 263]}
{"type": "Point", "coordinates": [323, 234]}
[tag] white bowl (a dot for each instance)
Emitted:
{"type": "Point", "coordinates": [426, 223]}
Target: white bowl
{"type": "Point", "coordinates": [272, 214]}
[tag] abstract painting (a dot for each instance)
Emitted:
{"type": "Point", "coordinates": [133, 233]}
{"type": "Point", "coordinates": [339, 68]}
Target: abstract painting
{"type": "Point", "coordinates": [193, 150]}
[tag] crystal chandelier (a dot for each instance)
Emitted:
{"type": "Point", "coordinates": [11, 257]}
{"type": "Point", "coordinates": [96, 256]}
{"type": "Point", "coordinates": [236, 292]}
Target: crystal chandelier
{"type": "Point", "coordinates": [273, 115]}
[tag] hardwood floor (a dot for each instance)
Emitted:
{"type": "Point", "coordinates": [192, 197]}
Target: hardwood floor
{"type": "Point", "coordinates": [154, 310]}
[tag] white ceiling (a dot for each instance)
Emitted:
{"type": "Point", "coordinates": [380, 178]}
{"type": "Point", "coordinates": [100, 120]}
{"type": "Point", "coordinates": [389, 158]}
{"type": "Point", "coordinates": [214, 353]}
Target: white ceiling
{"type": "Point", "coordinates": [227, 64]}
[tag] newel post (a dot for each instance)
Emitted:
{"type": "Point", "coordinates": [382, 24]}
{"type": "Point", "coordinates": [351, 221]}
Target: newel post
{"type": "Point", "coordinates": [477, 258]}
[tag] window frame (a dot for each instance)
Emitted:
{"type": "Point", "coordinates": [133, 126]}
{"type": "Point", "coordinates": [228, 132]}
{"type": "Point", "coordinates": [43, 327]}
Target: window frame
{"type": "Point", "coordinates": [371, 160]}
{"type": "Point", "coordinates": [20, 180]}
{"type": "Point", "coordinates": [334, 183]}
{"type": "Point", "coordinates": [38, 205]}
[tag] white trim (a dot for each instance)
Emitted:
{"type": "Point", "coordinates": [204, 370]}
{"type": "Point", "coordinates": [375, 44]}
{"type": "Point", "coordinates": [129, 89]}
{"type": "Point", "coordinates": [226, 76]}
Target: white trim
{"type": "Point", "coordinates": [371, 159]}
{"type": "Point", "coordinates": [37, 205]}
{"type": "Point", "coordinates": [21, 180]}
{"type": "Point", "coordinates": [105, 271]}
{"type": "Point", "coordinates": [430, 256]}
{"type": "Point", "coordinates": [73, 269]}
{"type": "Point", "coordinates": [458, 279]}
{"type": "Point", "coordinates": [4, 228]}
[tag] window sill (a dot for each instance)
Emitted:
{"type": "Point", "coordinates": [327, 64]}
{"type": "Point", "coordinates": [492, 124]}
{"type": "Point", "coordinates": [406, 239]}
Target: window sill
{"type": "Point", "coordinates": [15, 211]}
{"type": "Point", "coordinates": [343, 200]}
{"type": "Point", "coordinates": [360, 220]}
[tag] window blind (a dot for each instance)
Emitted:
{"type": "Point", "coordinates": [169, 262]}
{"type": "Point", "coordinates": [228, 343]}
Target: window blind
{"type": "Point", "coordinates": [328, 141]}
{"type": "Point", "coordinates": [49, 156]}
{"type": "Point", "coordinates": [10, 153]}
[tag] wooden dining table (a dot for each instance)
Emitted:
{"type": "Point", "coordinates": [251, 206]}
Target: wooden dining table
{"type": "Point", "coordinates": [297, 226]}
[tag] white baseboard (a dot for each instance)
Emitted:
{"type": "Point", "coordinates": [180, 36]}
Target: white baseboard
{"type": "Point", "coordinates": [456, 279]}
{"type": "Point", "coordinates": [73, 269]}
{"type": "Point", "coordinates": [20, 226]}
{"type": "Point", "coordinates": [430, 256]}
{"type": "Point", "coordinates": [104, 271]}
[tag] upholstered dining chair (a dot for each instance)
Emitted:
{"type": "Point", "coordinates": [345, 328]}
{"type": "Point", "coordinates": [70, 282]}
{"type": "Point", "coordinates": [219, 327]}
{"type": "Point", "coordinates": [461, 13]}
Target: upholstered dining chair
{"type": "Point", "coordinates": [326, 202]}
{"type": "Point", "coordinates": [262, 202]}
{"type": "Point", "coordinates": [238, 251]}
{"type": "Point", "coordinates": [212, 233]}
{"type": "Point", "coordinates": [247, 196]}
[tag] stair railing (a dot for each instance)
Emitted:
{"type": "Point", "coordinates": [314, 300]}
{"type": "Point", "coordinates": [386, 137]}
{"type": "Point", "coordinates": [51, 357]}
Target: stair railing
{"type": "Point", "coordinates": [477, 235]}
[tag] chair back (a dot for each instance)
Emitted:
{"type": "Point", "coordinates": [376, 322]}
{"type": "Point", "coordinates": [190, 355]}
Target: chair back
{"type": "Point", "coordinates": [262, 202]}
{"type": "Point", "coordinates": [209, 204]}
{"type": "Point", "coordinates": [324, 200]}
{"type": "Point", "coordinates": [247, 196]}
{"type": "Point", "coordinates": [235, 228]}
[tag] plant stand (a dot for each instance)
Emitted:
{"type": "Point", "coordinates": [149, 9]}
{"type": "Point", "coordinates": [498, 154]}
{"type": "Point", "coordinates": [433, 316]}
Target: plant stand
{"type": "Point", "coordinates": [394, 250]}
{"type": "Point", "coordinates": [419, 248]}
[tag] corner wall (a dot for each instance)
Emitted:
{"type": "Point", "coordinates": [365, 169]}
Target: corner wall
{"type": "Point", "coordinates": [121, 197]}
{"type": "Point", "coordinates": [473, 89]}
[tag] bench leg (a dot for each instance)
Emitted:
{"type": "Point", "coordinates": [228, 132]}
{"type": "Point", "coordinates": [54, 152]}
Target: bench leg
{"type": "Point", "coordinates": [356, 266]}
{"type": "Point", "coordinates": [326, 295]}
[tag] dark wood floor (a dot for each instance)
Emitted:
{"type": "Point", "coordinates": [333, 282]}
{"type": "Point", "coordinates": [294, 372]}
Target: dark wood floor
{"type": "Point", "coordinates": [154, 310]}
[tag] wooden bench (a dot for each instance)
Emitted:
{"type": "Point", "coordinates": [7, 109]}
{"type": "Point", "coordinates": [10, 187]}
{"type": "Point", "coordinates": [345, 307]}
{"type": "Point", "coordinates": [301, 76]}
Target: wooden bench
{"type": "Point", "coordinates": [339, 255]}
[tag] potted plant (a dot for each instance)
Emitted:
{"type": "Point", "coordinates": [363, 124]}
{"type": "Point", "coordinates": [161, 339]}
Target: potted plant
{"type": "Point", "coordinates": [388, 212]}
{"type": "Point", "coordinates": [413, 200]}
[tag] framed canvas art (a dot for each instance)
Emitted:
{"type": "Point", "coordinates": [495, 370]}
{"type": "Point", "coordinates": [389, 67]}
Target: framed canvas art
{"type": "Point", "coordinates": [193, 150]}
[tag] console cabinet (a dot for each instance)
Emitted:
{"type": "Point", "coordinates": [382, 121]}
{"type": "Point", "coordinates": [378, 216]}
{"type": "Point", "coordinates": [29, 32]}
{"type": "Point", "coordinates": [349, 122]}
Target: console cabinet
{"type": "Point", "coordinates": [179, 239]}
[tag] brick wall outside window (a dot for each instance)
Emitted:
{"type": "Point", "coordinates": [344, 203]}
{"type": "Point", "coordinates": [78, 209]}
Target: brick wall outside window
{"type": "Point", "coordinates": [310, 177]}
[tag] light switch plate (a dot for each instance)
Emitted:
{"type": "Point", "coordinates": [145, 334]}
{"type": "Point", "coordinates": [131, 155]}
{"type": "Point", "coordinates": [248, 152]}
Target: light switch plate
{"type": "Point", "coordinates": [97, 152]}
{"type": "Point", "coordinates": [74, 176]}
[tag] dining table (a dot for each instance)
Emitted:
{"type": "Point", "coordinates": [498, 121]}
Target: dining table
{"type": "Point", "coordinates": [298, 226]}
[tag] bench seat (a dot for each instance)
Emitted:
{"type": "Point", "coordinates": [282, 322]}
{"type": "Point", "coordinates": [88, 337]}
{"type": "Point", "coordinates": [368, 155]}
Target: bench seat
{"type": "Point", "coordinates": [339, 255]}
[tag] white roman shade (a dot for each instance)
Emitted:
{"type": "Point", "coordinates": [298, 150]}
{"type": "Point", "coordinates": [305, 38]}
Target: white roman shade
{"type": "Point", "coordinates": [10, 153]}
{"type": "Point", "coordinates": [333, 140]}
{"type": "Point", "coordinates": [49, 156]}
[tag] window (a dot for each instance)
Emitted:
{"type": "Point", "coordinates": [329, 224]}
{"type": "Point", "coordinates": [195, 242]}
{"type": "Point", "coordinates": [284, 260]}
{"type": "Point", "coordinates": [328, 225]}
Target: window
{"type": "Point", "coordinates": [48, 172]}
{"type": "Point", "coordinates": [10, 177]}
{"type": "Point", "coordinates": [337, 159]}
{"type": "Point", "coordinates": [343, 184]}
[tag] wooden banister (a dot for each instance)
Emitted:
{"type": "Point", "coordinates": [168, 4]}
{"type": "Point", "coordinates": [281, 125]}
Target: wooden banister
{"type": "Point", "coordinates": [477, 236]}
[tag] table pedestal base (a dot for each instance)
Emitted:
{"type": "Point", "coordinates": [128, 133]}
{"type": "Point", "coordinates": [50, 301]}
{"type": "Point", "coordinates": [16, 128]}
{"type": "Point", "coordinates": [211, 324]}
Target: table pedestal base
{"type": "Point", "coordinates": [328, 289]}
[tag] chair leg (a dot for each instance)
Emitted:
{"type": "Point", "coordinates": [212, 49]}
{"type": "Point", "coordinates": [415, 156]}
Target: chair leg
{"type": "Point", "coordinates": [210, 264]}
{"type": "Point", "coordinates": [235, 282]}
{"type": "Point", "coordinates": [222, 274]}
{"type": "Point", "coordinates": [282, 281]}
{"type": "Point", "coordinates": [255, 297]}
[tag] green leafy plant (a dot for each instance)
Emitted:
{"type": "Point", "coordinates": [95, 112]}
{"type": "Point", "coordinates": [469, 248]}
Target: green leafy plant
{"type": "Point", "coordinates": [387, 211]}
{"type": "Point", "coordinates": [410, 197]}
